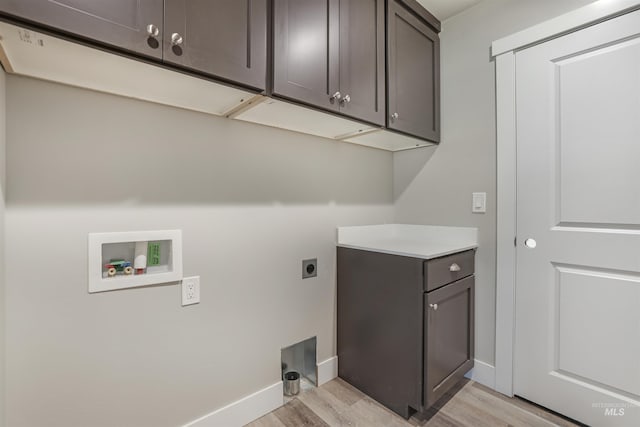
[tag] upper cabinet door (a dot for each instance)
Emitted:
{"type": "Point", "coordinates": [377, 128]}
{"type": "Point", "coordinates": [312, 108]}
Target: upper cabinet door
{"type": "Point", "coordinates": [414, 75]}
{"type": "Point", "coordinates": [362, 61]}
{"type": "Point", "coordinates": [306, 56]}
{"type": "Point", "coordinates": [224, 38]}
{"type": "Point", "coordinates": [134, 25]}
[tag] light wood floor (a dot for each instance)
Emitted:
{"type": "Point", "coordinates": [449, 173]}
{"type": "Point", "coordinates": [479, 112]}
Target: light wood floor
{"type": "Point", "coordinates": [470, 404]}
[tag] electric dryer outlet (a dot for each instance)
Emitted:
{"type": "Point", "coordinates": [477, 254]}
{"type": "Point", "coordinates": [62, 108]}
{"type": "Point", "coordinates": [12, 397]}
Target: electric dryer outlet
{"type": "Point", "coordinates": [309, 268]}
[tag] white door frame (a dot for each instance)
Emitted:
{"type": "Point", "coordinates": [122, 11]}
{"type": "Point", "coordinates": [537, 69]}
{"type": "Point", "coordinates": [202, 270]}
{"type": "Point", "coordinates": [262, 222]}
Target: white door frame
{"type": "Point", "coordinates": [503, 51]}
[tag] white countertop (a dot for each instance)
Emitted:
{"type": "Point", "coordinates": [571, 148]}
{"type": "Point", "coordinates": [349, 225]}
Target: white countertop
{"type": "Point", "coordinates": [418, 241]}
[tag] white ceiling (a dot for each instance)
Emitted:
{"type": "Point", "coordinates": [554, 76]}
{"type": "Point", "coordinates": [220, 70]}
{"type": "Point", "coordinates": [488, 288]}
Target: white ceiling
{"type": "Point", "coordinates": [443, 9]}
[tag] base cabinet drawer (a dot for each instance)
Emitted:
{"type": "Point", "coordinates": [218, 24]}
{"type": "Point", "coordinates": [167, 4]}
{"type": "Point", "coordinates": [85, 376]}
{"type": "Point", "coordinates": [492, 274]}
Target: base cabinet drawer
{"type": "Point", "coordinates": [448, 340]}
{"type": "Point", "coordinates": [441, 271]}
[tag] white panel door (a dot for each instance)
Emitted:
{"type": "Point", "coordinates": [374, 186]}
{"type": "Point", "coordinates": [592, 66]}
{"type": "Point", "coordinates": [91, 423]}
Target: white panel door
{"type": "Point", "coordinates": [577, 343]}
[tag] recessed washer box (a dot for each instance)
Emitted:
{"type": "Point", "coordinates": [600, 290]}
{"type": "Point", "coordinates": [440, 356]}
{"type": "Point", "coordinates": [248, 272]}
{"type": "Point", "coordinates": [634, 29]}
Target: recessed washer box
{"type": "Point", "coordinates": [114, 259]}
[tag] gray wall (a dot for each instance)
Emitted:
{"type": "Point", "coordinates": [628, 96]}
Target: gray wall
{"type": "Point", "coordinates": [434, 185]}
{"type": "Point", "coordinates": [252, 203]}
{"type": "Point", "coordinates": [2, 242]}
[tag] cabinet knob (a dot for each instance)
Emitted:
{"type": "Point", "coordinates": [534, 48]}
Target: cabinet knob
{"type": "Point", "coordinates": [530, 243]}
{"type": "Point", "coordinates": [345, 100]}
{"type": "Point", "coordinates": [335, 97]}
{"type": "Point", "coordinates": [153, 30]}
{"type": "Point", "coordinates": [394, 117]}
{"type": "Point", "coordinates": [176, 39]}
{"type": "Point", "coordinates": [454, 267]}
{"type": "Point", "coordinates": [434, 306]}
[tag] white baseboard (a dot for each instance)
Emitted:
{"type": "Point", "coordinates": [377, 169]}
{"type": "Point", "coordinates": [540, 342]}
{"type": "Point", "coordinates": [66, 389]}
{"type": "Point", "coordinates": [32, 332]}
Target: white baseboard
{"type": "Point", "coordinates": [327, 370]}
{"type": "Point", "coordinates": [483, 373]}
{"type": "Point", "coordinates": [245, 410]}
{"type": "Point", "coordinates": [260, 403]}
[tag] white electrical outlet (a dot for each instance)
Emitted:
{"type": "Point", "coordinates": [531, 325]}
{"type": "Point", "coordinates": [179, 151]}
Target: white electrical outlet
{"type": "Point", "coordinates": [190, 290]}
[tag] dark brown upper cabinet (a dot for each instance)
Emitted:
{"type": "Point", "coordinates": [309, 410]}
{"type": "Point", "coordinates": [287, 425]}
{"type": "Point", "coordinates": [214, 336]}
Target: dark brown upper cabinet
{"type": "Point", "coordinates": [224, 38]}
{"type": "Point", "coordinates": [413, 76]}
{"type": "Point", "coordinates": [330, 54]}
{"type": "Point", "coordinates": [134, 25]}
{"type": "Point", "coordinates": [374, 61]}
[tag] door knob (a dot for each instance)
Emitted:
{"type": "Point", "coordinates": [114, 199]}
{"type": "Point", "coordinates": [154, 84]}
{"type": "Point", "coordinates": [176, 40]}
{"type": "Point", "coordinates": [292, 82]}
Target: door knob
{"type": "Point", "coordinates": [176, 39]}
{"type": "Point", "coordinates": [454, 267]}
{"type": "Point", "coordinates": [335, 97]}
{"type": "Point", "coordinates": [530, 243]}
{"type": "Point", "coordinates": [434, 306]}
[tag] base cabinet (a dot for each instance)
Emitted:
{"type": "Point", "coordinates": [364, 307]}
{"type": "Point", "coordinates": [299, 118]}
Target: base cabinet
{"type": "Point", "coordinates": [400, 341]}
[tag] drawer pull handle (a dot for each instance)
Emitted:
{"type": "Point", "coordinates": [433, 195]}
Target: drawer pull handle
{"type": "Point", "coordinates": [454, 267]}
{"type": "Point", "coordinates": [434, 306]}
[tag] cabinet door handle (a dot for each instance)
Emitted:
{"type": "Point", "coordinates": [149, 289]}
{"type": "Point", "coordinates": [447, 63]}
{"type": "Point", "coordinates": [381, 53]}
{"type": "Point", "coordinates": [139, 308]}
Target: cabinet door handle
{"type": "Point", "coordinates": [176, 39]}
{"type": "Point", "coordinates": [454, 267]}
{"type": "Point", "coordinates": [345, 100]}
{"type": "Point", "coordinates": [434, 306]}
{"type": "Point", "coordinates": [335, 97]}
{"type": "Point", "coordinates": [394, 117]}
{"type": "Point", "coordinates": [153, 30]}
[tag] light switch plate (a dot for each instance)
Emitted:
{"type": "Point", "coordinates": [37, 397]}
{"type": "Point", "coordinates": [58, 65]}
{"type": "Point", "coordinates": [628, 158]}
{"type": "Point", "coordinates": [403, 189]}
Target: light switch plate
{"type": "Point", "coordinates": [479, 203]}
{"type": "Point", "coordinates": [190, 290]}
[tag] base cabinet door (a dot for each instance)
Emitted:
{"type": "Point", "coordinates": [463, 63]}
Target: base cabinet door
{"type": "Point", "coordinates": [224, 38]}
{"type": "Point", "coordinates": [449, 331]}
{"type": "Point", "coordinates": [134, 25]}
{"type": "Point", "coordinates": [413, 51]}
